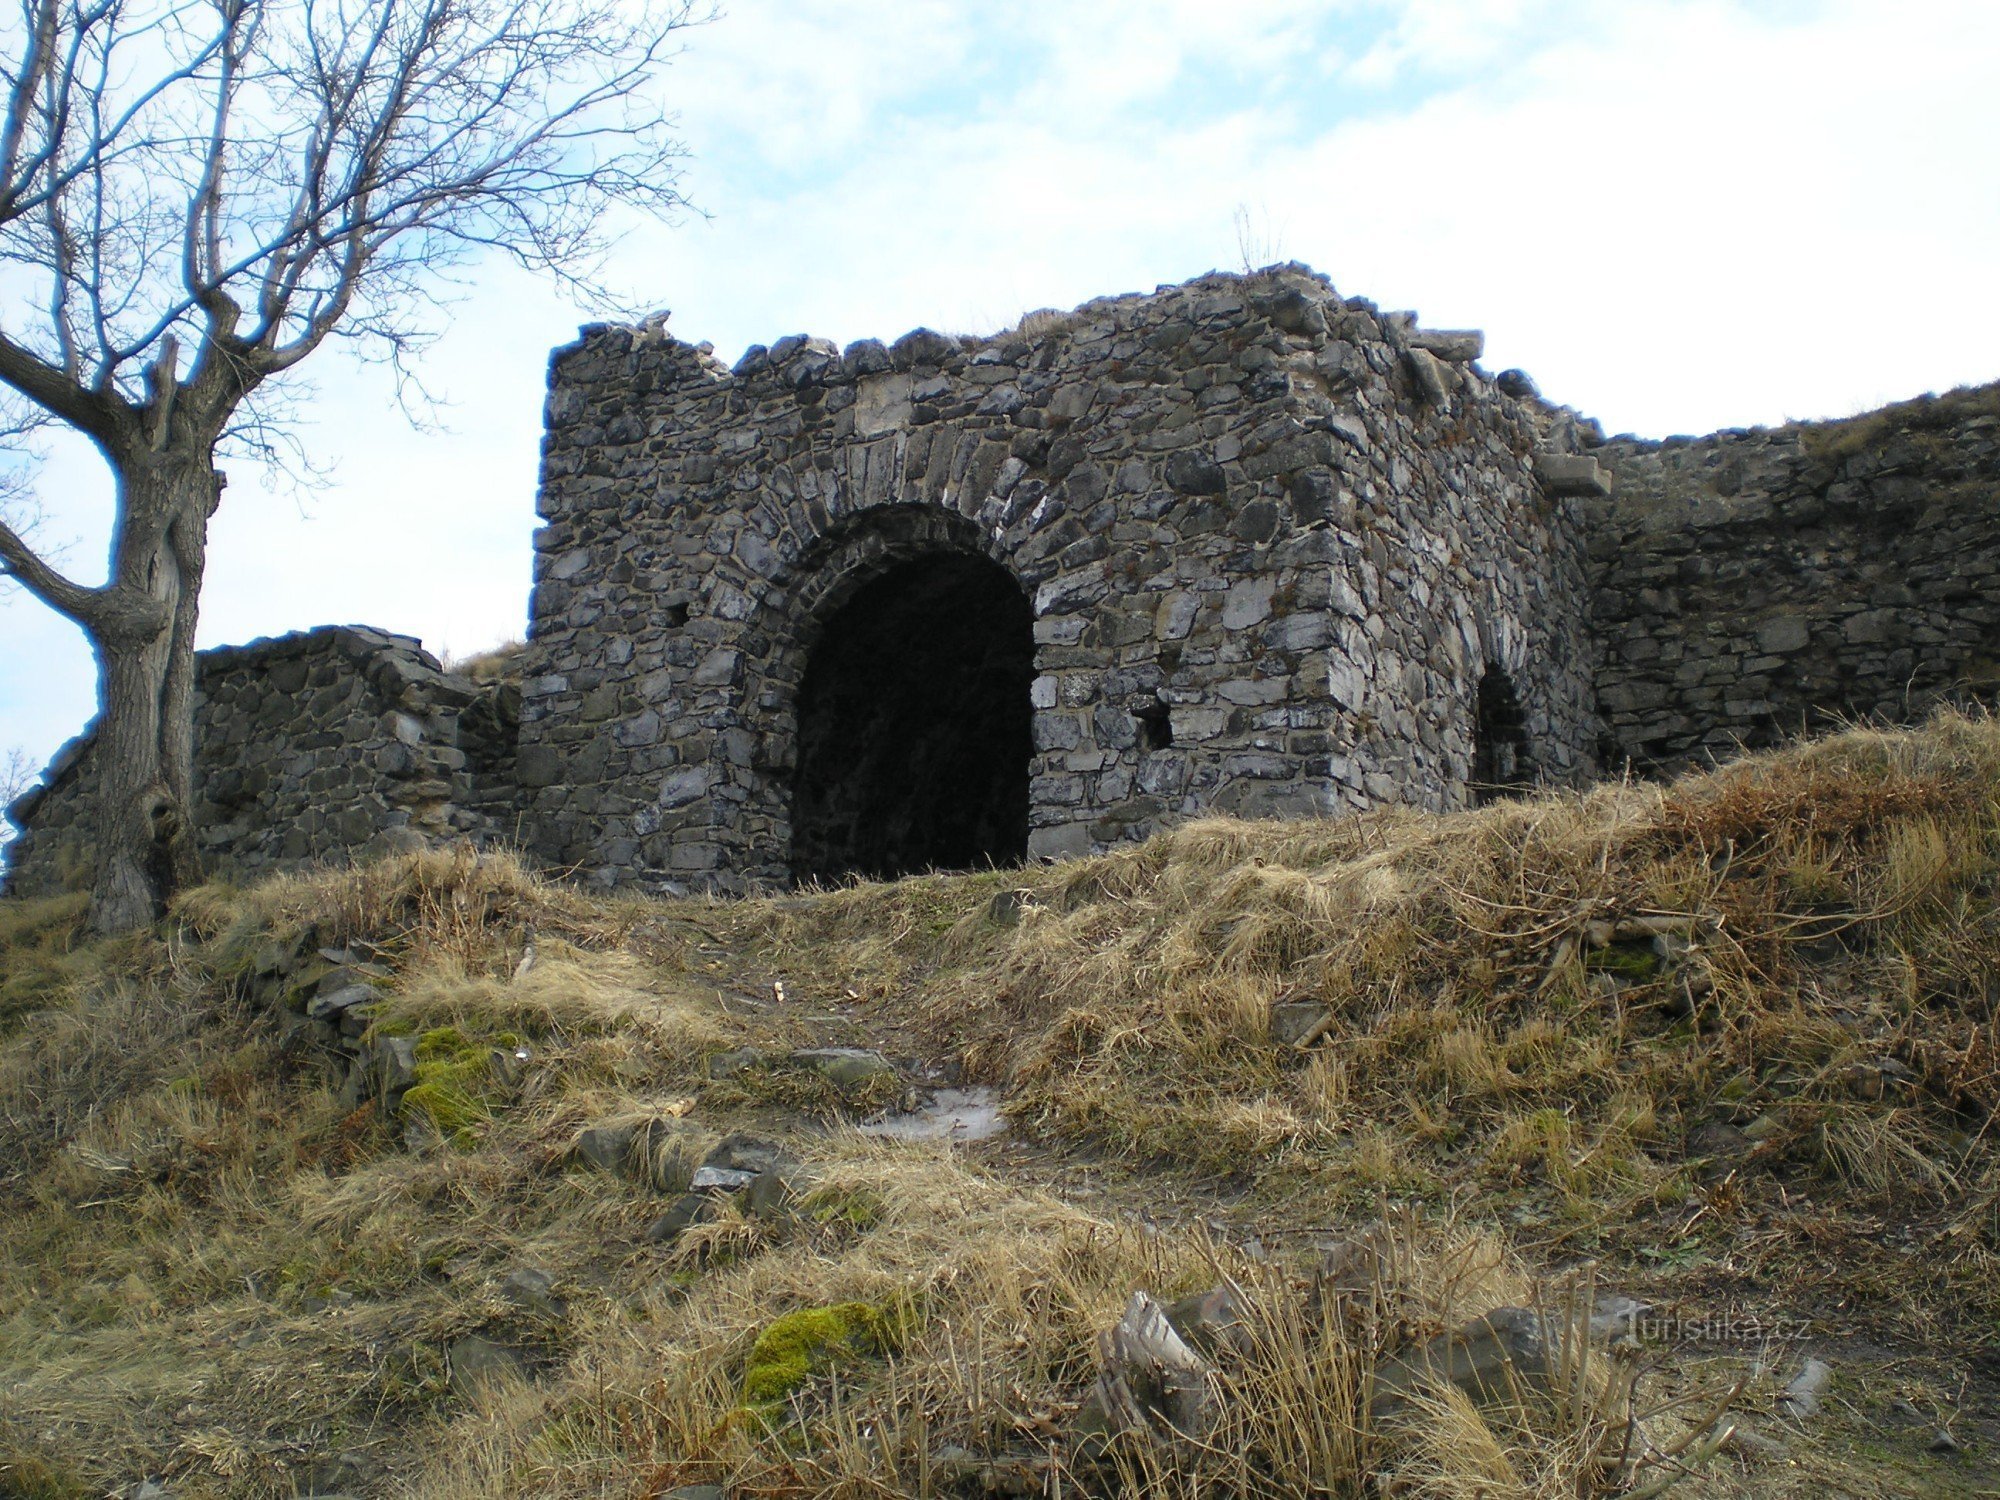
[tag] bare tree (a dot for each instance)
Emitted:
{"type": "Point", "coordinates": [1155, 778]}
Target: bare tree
{"type": "Point", "coordinates": [197, 194]}
{"type": "Point", "coordinates": [17, 774]}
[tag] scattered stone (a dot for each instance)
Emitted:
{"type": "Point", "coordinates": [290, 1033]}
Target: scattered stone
{"type": "Point", "coordinates": [533, 1291]}
{"type": "Point", "coordinates": [745, 1153]}
{"type": "Point", "coordinates": [738, 1060]}
{"type": "Point", "coordinates": [1944, 1442]}
{"type": "Point", "coordinates": [851, 1070]}
{"type": "Point", "coordinates": [1745, 1441]}
{"type": "Point", "coordinates": [1765, 1126]}
{"type": "Point", "coordinates": [335, 1005]}
{"type": "Point", "coordinates": [1572, 474]}
{"type": "Point", "coordinates": [1492, 1358]}
{"type": "Point", "coordinates": [688, 1210]}
{"type": "Point", "coordinates": [1428, 374]}
{"type": "Point", "coordinates": [1453, 345]}
{"type": "Point", "coordinates": [771, 1195]}
{"type": "Point", "coordinates": [1615, 1316]}
{"type": "Point", "coordinates": [393, 1069]}
{"type": "Point", "coordinates": [1801, 1398]}
{"type": "Point", "coordinates": [1150, 1382]}
{"type": "Point", "coordinates": [725, 1179]}
{"type": "Point", "coordinates": [661, 1152]}
{"type": "Point", "coordinates": [1294, 1023]}
{"type": "Point", "coordinates": [1717, 1149]}
{"type": "Point", "coordinates": [696, 1492]}
{"type": "Point", "coordinates": [606, 1147]}
{"type": "Point", "coordinates": [509, 1065]}
{"type": "Point", "coordinates": [1005, 909]}
{"type": "Point", "coordinates": [477, 1364]}
{"type": "Point", "coordinates": [1351, 1266]}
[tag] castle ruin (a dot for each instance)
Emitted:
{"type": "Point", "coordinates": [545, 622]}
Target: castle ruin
{"type": "Point", "coordinates": [1238, 546]}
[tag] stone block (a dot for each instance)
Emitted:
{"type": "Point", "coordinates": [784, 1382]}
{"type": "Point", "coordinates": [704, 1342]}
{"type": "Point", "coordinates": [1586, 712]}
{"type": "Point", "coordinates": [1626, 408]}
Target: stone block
{"type": "Point", "coordinates": [1453, 345]}
{"type": "Point", "coordinates": [1783, 635]}
{"type": "Point", "coordinates": [1428, 374]}
{"type": "Point", "coordinates": [1571, 474]}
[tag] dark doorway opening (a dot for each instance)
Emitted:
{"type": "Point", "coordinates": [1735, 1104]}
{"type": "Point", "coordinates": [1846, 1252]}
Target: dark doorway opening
{"type": "Point", "coordinates": [1503, 763]}
{"type": "Point", "coordinates": [914, 725]}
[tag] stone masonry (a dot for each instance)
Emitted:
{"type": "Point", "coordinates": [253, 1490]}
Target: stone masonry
{"type": "Point", "coordinates": [1270, 543]}
{"type": "Point", "coordinates": [315, 747]}
{"type": "Point", "coordinates": [1755, 585]}
{"type": "Point", "coordinates": [1238, 546]}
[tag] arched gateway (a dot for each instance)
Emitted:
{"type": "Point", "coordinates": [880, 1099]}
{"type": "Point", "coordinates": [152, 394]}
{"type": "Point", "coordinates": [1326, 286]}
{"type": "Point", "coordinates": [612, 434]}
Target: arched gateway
{"type": "Point", "coordinates": [913, 724]}
{"type": "Point", "coordinates": [1232, 547]}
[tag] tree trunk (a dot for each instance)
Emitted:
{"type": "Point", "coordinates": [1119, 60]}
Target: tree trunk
{"type": "Point", "coordinates": [144, 752]}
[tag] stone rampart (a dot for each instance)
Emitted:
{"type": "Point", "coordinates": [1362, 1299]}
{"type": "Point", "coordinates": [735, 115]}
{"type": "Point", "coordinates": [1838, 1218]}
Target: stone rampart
{"type": "Point", "coordinates": [1755, 585]}
{"type": "Point", "coordinates": [1239, 546]}
{"type": "Point", "coordinates": [310, 748]}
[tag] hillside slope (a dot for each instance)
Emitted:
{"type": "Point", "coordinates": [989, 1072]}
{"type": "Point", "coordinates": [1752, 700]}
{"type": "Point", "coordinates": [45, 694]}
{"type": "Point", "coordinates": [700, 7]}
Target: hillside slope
{"type": "Point", "coordinates": [431, 1178]}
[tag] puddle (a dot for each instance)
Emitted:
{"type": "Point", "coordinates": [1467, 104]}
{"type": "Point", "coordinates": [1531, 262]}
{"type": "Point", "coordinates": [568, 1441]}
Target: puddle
{"type": "Point", "coordinates": [951, 1115]}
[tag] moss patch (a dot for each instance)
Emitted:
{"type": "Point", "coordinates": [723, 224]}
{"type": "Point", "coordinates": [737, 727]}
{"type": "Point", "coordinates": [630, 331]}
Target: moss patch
{"type": "Point", "coordinates": [456, 1087]}
{"type": "Point", "coordinates": [1632, 962]}
{"type": "Point", "coordinates": [808, 1342]}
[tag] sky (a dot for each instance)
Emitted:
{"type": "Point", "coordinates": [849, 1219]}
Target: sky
{"type": "Point", "coordinates": [1677, 215]}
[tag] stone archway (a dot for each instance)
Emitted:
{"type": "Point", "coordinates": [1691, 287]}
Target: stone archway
{"type": "Point", "coordinates": [914, 727]}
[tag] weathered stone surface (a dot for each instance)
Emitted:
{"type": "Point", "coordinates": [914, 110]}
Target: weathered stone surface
{"type": "Point", "coordinates": [690, 1209]}
{"type": "Point", "coordinates": [1493, 1358]}
{"type": "Point", "coordinates": [606, 1147]}
{"type": "Point", "coordinates": [1428, 374]}
{"type": "Point", "coordinates": [1192, 502]}
{"type": "Point", "coordinates": [1754, 585]}
{"type": "Point", "coordinates": [1454, 345]}
{"type": "Point", "coordinates": [1269, 552]}
{"type": "Point", "coordinates": [320, 747]}
{"type": "Point", "coordinates": [1293, 1021]}
{"type": "Point", "coordinates": [532, 1290]}
{"type": "Point", "coordinates": [1572, 474]}
{"type": "Point", "coordinates": [1149, 1382]}
{"type": "Point", "coordinates": [851, 1070]}
{"type": "Point", "coordinates": [1802, 1394]}
{"type": "Point", "coordinates": [722, 1179]}
{"type": "Point", "coordinates": [478, 1363]}
{"type": "Point", "coordinates": [662, 1153]}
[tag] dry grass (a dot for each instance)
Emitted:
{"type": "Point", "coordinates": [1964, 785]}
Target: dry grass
{"type": "Point", "coordinates": [1918, 422]}
{"type": "Point", "coordinates": [1835, 956]}
{"type": "Point", "coordinates": [210, 1269]}
{"type": "Point", "coordinates": [501, 663]}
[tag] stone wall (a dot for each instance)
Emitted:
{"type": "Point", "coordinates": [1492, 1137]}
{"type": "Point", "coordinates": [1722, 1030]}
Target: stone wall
{"type": "Point", "coordinates": [1238, 546]}
{"type": "Point", "coordinates": [316, 747]}
{"type": "Point", "coordinates": [1753, 585]}
{"type": "Point", "coordinates": [1271, 543]}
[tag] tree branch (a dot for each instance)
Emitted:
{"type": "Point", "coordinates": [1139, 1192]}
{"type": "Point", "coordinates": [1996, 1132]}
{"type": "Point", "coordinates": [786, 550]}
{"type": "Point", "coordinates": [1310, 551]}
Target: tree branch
{"type": "Point", "coordinates": [18, 561]}
{"type": "Point", "coordinates": [102, 417]}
